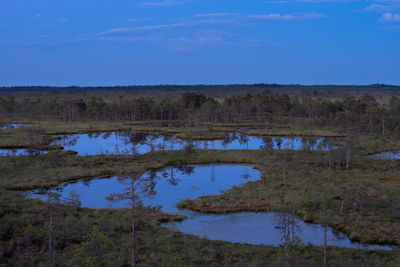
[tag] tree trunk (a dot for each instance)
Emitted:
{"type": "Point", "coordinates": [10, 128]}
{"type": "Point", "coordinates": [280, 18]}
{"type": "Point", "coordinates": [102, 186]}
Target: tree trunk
{"type": "Point", "coordinates": [50, 232]}
{"type": "Point", "coordinates": [348, 155]}
{"type": "Point", "coordinates": [370, 122]}
{"type": "Point", "coordinates": [392, 157]}
{"type": "Point", "coordinates": [284, 169]}
{"type": "Point", "coordinates": [330, 164]}
{"type": "Point", "coordinates": [348, 145]}
{"type": "Point", "coordinates": [133, 224]}
{"type": "Point", "coordinates": [325, 243]}
{"type": "Point", "coordinates": [341, 207]}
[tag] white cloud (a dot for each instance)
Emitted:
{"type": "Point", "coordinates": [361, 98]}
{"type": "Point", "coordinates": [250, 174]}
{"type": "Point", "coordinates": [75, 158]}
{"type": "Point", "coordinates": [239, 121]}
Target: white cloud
{"type": "Point", "coordinates": [309, 1]}
{"type": "Point", "coordinates": [193, 43]}
{"type": "Point", "coordinates": [390, 18]}
{"type": "Point", "coordinates": [256, 42]}
{"type": "Point", "coordinates": [121, 39]}
{"type": "Point", "coordinates": [138, 19]}
{"type": "Point", "coordinates": [233, 21]}
{"type": "Point", "coordinates": [164, 3]}
{"type": "Point", "coordinates": [286, 17]}
{"type": "Point", "coordinates": [212, 15]}
{"type": "Point", "coordinates": [383, 8]}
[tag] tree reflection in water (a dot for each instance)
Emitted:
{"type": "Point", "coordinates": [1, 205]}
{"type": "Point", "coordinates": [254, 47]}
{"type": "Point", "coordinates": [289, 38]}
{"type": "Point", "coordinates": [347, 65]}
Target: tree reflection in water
{"type": "Point", "coordinates": [291, 242]}
{"type": "Point", "coordinates": [131, 143]}
{"type": "Point", "coordinates": [137, 187]}
{"type": "Point", "coordinates": [67, 140]}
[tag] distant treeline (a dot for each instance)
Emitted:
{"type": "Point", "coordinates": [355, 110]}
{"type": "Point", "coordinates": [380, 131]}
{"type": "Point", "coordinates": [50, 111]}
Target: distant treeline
{"type": "Point", "coordinates": [363, 113]}
{"type": "Point", "coordinates": [202, 87]}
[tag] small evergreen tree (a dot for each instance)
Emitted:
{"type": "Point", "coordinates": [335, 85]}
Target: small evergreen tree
{"type": "Point", "coordinates": [73, 199]}
{"type": "Point", "coordinates": [95, 250]}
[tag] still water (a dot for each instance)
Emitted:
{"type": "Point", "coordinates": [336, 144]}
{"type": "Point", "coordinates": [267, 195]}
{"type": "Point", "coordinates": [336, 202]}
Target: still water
{"type": "Point", "coordinates": [11, 126]}
{"type": "Point", "coordinates": [166, 187]}
{"type": "Point", "coordinates": [140, 143]}
{"type": "Point", "coordinates": [387, 155]}
{"type": "Point", "coordinates": [262, 228]}
{"type": "Point", "coordinates": [132, 143]}
{"type": "Point", "coordinates": [13, 152]}
{"type": "Point", "coordinates": [170, 185]}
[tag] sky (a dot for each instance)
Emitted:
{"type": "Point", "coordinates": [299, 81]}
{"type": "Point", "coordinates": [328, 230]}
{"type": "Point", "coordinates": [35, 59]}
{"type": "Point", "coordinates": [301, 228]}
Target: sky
{"type": "Point", "coordinates": [146, 42]}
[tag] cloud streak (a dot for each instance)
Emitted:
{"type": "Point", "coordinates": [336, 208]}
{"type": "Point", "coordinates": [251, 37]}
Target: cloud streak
{"type": "Point", "coordinates": [164, 3]}
{"type": "Point", "coordinates": [383, 8]}
{"type": "Point", "coordinates": [138, 19]}
{"type": "Point", "coordinates": [213, 15]}
{"type": "Point", "coordinates": [193, 43]}
{"type": "Point", "coordinates": [212, 22]}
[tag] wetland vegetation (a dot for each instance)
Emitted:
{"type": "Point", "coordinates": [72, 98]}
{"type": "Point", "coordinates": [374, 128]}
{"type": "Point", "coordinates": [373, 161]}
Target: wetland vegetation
{"type": "Point", "coordinates": [179, 192]}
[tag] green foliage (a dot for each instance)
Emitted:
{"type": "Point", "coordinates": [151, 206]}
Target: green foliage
{"type": "Point", "coordinates": [365, 110]}
{"type": "Point", "coordinates": [73, 199]}
{"type": "Point", "coordinates": [189, 148]}
{"type": "Point", "coordinates": [95, 250]}
{"type": "Point", "coordinates": [290, 252]}
{"type": "Point", "coordinates": [170, 259]}
{"type": "Point", "coordinates": [362, 201]}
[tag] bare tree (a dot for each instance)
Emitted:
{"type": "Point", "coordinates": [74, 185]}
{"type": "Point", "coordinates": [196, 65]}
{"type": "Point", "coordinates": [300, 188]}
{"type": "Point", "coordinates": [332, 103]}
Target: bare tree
{"type": "Point", "coordinates": [326, 145]}
{"type": "Point", "coordinates": [37, 141]}
{"type": "Point", "coordinates": [284, 163]}
{"type": "Point", "coordinates": [325, 221]}
{"type": "Point", "coordinates": [291, 243]}
{"type": "Point", "coordinates": [285, 156]}
{"type": "Point", "coordinates": [348, 143]}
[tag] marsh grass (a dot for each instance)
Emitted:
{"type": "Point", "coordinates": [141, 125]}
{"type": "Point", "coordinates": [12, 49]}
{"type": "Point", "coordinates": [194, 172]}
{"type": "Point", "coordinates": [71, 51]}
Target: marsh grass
{"type": "Point", "coordinates": [370, 204]}
{"type": "Point", "coordinates": [24, 240]}
{"type": "Point", "coordinates": [18, 138]}
{"type": "Point", "coordinates": [362, 201]}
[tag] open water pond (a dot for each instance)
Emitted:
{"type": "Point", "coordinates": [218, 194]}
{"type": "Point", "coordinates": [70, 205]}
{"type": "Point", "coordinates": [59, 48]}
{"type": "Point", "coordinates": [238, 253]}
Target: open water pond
{"type": "Point", "coordinates": [387, 155]}
{"type": "Point", "coordinates": [141, 143]}
{"type": "Point", "coordinates": [10, 125]}
{"type": "Point", "coordinates": [13, 152]}
{"type": "Point", "coordinates": [166, 187]}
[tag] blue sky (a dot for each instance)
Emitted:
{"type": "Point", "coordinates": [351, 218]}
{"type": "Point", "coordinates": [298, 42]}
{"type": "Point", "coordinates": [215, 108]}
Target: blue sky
{"type": "Point", "coordinates": [122, 42]}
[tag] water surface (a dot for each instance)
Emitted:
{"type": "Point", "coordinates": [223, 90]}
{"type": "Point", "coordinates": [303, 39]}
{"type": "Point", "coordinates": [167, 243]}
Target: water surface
{"type": "Point", "coordinates": [11, 126]}
{"type": "Point", "coordinates": [132, 143]}
{"type": "Point", "coordinates": [387, 155]}
{"type": "Point", "coordinates": [168, 186]}
{"type": "Point", "coordinates": [13, 152]}
{"type": "Point", "coordinates": [140, 143]}
{"type": "Point", "coordinates": [262, 228]}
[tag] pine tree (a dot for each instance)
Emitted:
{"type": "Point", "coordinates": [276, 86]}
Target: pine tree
{"type": "Point", "coordinates": [73, 199]}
